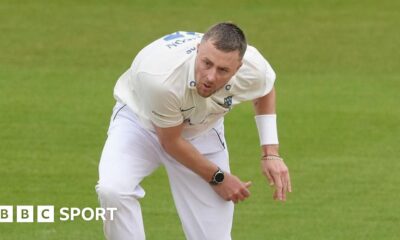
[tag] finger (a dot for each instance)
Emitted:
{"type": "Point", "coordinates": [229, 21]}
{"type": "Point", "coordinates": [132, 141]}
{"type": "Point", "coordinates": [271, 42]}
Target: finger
{"type": "Point", "coordinates": [275, 195]}
{"type": "Point", "coordinates": [237, 197]}
{"type": "Point", "coordinates": [269, 177]}
{"type": "Point", "coordinates": [289, 183]}
{"type": "Point", "coordinates": [286, 183]}
{"type": "Point", "coordinates": [284, 186]}
{"type": "Point", "coordinates": [278, 186]}
{"type": "Point", "coordinates": [283, 193]}
{"type": "Point", "coordinates": [248, 184]}
{"type": "Point", "coordinates": [245, 193]}
{"type": "Point", "coordinates": [241, 194]}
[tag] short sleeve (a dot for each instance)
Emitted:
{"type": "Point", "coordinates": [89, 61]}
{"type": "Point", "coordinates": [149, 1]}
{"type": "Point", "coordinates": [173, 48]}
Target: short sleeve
{"type": "Point", "coordinates": [255, 78]}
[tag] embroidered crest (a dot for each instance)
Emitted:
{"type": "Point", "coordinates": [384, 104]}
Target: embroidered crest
{"type": "Point", "coordinates": [228, 101]}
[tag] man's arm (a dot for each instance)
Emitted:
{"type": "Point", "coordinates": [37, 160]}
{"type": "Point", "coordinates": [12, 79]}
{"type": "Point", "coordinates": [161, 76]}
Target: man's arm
{"type": "Point", "coordinates": [231, 189]}
{"type": "Point", "coordinates": [274, 169]}
{"type": "Point", "coordinates": [263, 106]}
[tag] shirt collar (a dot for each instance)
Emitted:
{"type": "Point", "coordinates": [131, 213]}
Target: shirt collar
{"type": "Point", "coordinates": [191, 83]}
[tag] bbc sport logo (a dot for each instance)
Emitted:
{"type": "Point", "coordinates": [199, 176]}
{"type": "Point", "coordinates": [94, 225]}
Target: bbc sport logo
{"type": "Point", "coordinates": [45, 214]}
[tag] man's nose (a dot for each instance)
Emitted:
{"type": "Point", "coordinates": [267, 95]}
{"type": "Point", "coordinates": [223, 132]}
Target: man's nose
{"type": "Point", "coordinates": [212, 75]}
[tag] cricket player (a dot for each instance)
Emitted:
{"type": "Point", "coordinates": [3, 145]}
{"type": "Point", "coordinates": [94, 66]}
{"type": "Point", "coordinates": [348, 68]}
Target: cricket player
{"type": "Point", "coordinates": [170, 108]}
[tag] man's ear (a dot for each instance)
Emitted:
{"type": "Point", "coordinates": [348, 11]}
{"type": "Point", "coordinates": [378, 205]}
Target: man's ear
{"type": "Point", "coordinates": [241, 63]}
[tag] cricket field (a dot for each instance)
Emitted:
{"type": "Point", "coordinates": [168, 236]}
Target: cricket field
{"type": "Point", "coordinates": [338, 82]}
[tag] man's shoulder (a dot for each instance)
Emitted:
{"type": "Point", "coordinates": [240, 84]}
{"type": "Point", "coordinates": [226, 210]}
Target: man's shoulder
{"type": "Point", "coordinates": [167, 53]}
{"type": "Point", "coordinates": [255, 66]}
{"type": "Point", "coordinates": [255, 77]}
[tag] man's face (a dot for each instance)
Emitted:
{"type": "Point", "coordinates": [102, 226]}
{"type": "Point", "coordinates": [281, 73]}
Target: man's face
{"type": "Point", "coordinates": [214, 68]}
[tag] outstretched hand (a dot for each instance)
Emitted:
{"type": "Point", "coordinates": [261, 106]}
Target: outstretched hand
{"type": "Point", "coordinates": [278, 176]}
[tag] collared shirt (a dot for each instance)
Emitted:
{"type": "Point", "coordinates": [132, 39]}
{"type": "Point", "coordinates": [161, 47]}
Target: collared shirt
{"type": "Point", "coordinates": [160, 85]}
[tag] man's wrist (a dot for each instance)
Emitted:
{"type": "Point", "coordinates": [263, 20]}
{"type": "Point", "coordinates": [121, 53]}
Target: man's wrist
{"type": "Point", "coordinates": [270, 150]}
{"type": "Point", "coordinates": [218, 177]}
{"type": "Point", "coordinates": [271, 158]}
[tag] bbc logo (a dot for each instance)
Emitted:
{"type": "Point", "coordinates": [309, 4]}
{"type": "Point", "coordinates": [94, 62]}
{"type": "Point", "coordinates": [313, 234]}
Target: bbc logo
{"type": "Point", "coordinates": [26, 214]}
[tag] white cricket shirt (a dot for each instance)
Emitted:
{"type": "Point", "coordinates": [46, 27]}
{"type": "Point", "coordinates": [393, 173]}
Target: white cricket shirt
{"type": "Point", "coordinates": [159, 87]}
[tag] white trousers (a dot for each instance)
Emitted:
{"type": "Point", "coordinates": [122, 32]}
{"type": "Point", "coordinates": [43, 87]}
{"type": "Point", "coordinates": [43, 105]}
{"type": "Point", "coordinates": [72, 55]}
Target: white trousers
{"type": "Point", "coordinates": [132, 153]}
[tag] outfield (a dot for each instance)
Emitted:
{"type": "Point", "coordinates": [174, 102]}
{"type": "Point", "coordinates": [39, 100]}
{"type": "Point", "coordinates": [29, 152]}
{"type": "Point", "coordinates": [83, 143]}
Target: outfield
{"type": "Point", "coordinates": [338, 116]}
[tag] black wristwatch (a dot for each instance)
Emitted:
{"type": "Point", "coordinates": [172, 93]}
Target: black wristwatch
{"type": "Point", "coordinates": [218, 177]}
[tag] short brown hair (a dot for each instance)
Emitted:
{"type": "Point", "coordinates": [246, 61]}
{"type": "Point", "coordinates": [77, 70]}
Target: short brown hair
{"type": "Point", "coordinates": [227, 37]}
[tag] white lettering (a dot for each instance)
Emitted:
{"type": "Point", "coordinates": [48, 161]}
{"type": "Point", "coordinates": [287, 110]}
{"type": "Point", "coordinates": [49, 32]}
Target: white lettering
{"type": "Point", "coordinates": [45, 214]}
{"type": "Point", "coordinates": [74, 213]}
{"type": "Point", "coordinates": [112, 213]}
{"type": "Point", "coordinates": [6, 214]}
{"type": "Point", "coordinates": [100, 213]}
{"type": "Point", "coordinates": [64, 214]}
{"type": "Point", "coordinates": [91, 212]}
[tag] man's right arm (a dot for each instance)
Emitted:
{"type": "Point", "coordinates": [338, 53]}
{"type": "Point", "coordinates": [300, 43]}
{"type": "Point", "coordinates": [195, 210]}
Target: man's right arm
{"type": "Point", "coordinates": [231, 189]}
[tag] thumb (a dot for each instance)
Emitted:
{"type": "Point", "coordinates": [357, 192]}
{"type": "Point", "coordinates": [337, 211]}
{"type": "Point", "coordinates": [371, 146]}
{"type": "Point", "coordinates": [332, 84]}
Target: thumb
{"type": "Point", "coordinates": [248, 184]}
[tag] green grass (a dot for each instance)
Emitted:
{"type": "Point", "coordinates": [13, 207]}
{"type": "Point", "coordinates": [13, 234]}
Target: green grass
{"type": "Point", "coordinates": [338, 79]}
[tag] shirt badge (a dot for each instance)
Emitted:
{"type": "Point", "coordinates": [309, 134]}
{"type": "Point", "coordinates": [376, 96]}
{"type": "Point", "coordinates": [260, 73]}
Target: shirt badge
{"type": "Point", "coordinates": [227, 102]}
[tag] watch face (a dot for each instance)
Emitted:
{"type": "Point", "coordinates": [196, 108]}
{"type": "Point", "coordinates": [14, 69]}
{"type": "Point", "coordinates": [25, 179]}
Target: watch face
{"type": "Point", "coordinates": [219, 177]}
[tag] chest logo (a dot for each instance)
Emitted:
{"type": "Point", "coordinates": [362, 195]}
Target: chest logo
{"type": "Point", "coordinates": [227, 102]}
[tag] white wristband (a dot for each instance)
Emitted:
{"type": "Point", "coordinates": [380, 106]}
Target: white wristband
{"type": "Point", "coordinates": [267, 130]}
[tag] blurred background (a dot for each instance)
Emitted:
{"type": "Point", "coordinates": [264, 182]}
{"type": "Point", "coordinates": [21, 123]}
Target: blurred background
{"type": "Point", "coordinates": [338, 78]}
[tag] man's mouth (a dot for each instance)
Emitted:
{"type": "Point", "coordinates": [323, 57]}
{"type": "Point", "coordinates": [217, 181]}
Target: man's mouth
{"type": "Point", "coordinates": [207, 86]}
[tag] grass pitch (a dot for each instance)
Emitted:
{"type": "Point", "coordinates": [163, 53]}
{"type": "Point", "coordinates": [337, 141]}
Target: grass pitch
{"type": "Point", "coordinates": [338, 115]}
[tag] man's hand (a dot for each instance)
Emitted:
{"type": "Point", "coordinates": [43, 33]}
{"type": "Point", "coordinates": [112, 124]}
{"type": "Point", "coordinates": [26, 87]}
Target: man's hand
{"type": "Point", "coordinates": [232, 188]}
{"type": "Point", "coordinates": [277, 174]}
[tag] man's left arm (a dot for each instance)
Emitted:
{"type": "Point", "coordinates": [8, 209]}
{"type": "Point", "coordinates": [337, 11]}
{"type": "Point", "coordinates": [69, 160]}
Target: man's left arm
{"type": "Point", "coordinates": [272, 164]}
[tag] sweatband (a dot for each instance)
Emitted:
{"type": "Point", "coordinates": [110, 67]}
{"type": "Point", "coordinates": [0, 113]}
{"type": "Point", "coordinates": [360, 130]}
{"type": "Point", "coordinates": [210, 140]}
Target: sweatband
{"type": "Point", "coordinates": [267, 130]}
